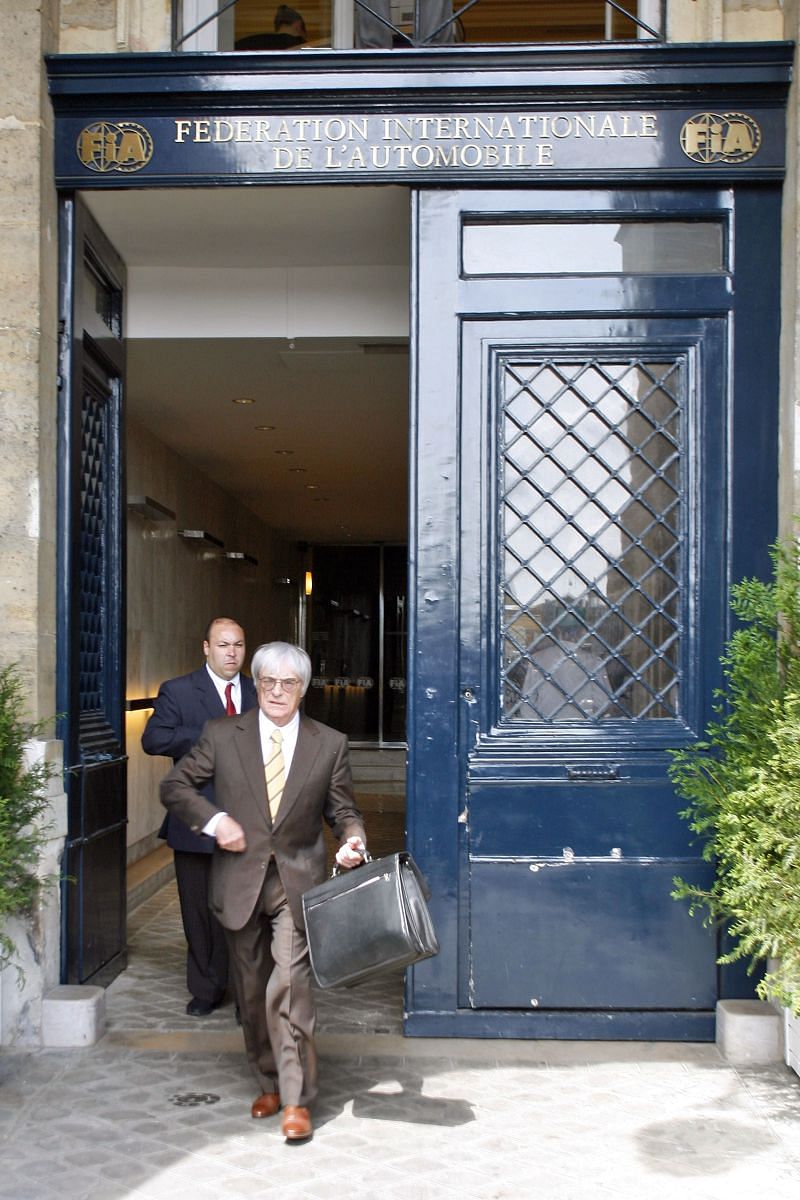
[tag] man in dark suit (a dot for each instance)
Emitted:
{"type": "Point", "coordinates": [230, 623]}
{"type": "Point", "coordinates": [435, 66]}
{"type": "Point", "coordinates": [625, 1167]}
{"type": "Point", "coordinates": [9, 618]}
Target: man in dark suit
{"type": "Point", "coordinates": [182, 707]}
{"type": "Point", "coordinates": [277, 775]}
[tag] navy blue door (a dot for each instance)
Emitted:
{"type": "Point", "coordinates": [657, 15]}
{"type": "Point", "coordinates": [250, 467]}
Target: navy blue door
{"type": "Point", "coordinates": [91, 616]}
{"type": "Point", "coordinates": [577, 436]}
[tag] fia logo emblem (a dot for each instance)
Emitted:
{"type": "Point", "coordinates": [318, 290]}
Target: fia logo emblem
{"type": "Point", "coordinates": [720, 137]}
{"type": "Point", "coordinates": [124, 146]}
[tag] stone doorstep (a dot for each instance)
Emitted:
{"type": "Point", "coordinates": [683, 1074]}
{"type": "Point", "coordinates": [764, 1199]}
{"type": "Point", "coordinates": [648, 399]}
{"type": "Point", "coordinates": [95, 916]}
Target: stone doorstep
{"type": "Point", "coordinates": [749, 1033]}
{"type": "Point", "coordinates": [73, 1015]}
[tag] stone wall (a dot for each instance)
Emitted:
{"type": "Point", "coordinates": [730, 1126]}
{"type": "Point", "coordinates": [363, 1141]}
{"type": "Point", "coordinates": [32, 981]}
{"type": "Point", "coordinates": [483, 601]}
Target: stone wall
{"type": "Point", "coordinates": [28, 401]}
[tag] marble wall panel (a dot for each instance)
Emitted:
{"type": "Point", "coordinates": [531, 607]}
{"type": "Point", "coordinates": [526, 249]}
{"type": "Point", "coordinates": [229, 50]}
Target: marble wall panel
{"type": "Point", "coordinates": [175, 587]}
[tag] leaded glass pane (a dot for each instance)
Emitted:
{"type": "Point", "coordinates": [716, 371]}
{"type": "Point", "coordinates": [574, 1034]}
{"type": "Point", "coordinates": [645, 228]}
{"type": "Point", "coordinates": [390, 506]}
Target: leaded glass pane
{"type": "Point", "coordinates": [591, 481]}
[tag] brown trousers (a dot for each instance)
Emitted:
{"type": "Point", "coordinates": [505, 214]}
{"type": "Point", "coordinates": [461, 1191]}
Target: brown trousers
{"type": "Point", "coordinates": [271, 972]}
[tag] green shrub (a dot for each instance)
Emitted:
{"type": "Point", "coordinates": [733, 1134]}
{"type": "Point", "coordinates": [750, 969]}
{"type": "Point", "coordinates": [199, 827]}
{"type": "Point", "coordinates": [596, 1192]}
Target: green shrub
{"type": "Point", "coordinates": [742, 782]}
{"type": "Point", "coordinates": [23, 805]}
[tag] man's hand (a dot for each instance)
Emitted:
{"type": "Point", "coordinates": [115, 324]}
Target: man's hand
{"type": "Point", "coordinates": [351, 853]}
{"type": "Point", "coordinates": [230, 835]}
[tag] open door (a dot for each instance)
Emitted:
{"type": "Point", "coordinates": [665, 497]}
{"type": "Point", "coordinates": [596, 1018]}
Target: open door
{"type": "Point", "coordinates": [579, 428]}
{"type": "Point", "coordinates": [91, 618]}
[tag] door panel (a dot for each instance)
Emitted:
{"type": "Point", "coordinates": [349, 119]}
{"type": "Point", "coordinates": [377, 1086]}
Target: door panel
{"type": "Point", "coordinates": [588, 934]}
{"type": "Point", "coordinates": [91, 617]}
{"type": "Point", "coordinates": [570, 605]}
{"type": "Point", "coordinates": [587, 451]}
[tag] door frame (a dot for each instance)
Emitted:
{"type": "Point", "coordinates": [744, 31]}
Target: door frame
{"type": "Point", "coordinates": [136, 99]}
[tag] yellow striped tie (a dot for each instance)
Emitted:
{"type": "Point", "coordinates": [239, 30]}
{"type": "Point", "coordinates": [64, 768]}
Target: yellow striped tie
{"type": "Point", "coordinates": [275, 774]}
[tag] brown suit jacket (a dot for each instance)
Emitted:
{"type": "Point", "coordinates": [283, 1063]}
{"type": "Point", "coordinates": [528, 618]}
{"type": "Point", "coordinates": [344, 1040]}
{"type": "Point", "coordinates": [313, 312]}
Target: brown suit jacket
{"type": "Point", "coordinates": [319, 786]}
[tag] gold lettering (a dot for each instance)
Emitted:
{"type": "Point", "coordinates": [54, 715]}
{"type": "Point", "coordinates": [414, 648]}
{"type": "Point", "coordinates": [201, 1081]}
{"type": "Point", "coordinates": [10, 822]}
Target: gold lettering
{"type": "Point", "coordinates": [491, 156]}
{"type": "Point", "coordinates": [201, 131]}
{"type": "Point", "coordinates": [505, 129]}
{"type": "Point", "coordinates": [282, 158]}
{"type": "Point", "coordinates": [626, 126]}
{"type": "Point", "coordinates": [131, 147]}
{"type": "Point", "coordinates": [302, 158]}
{"type": "Point", "coordinates": [380, 156]}
{"type": "Point", "coordinates": [329, 163]}
{"type": "Point", "coordinates": [444, 127]}
{"type": "Point", "coordinates": [218, 131]}
{"type": "Point", "coordinates": [738, 139]}
{"type": "Point", "coordinates": [649, 124]}
{"type": "Point", "coordinates": [90, 143]}
{"type": "Point", "coordinates": [545, 154]}
{"type": "Point", "coordinates": [561, 127]}
{"type": "Point", "coordinates": [357, 158]}
{"type": "Point", "coordinates": [484, 126]}
{"type": "Point", "coordinates": [584, 125]}
{"type": "Point", "coordinates": [470, 159]}
{"type": "Point", "coordinates": [401, 128]}
{"type": "Point", "coordinates": [242, 127]}
{"type": "Point", "coordinates": [262, 130]}
{"type": "Point", "coordinates": [422, 156]}
{"type": "Point", "coordinates": [703, 138]}
{"type": "Point", "coordinates": [283, 133]}
{"type": "Point", "coordinates": [607, 127]}
{"type": "Point", "coordinates": [181, 129]}
{"type": "Point", "coordinates": [462, 127]}
{"type": "Point", "coordinates": [526, 120]}
{"type": "Point", "coordinates": [446, 158]}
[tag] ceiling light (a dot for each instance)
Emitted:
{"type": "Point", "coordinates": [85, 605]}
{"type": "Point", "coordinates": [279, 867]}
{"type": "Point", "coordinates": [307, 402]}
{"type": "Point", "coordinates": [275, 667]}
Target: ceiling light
{"type": "Point", "coordinates": [264, 428]}
{"type": "Point", "coordinates": [312, 487]}
{"type": "Point", "coordinates": [298, 470]}
{"type": "Point", "coordinates": [243, 400]}
{"type": "Point", "coordinates": [283, 452]}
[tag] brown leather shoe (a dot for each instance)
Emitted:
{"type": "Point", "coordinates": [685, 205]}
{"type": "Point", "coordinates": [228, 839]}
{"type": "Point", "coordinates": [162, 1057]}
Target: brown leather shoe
{"type": "Point", "coordinates": [266, 1105]}
{"type": "Point", "coordinates": [296, 1123]}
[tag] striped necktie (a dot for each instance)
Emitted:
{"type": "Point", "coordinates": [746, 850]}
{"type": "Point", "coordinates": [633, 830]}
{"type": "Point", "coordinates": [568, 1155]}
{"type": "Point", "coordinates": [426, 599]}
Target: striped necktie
{"type": "Point", "coordinates": [275, 774]}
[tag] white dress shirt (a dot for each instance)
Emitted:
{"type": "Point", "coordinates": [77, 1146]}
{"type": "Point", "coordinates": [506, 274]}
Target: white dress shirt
{"type": "Point", "coordinates": [290, 732]}
{"type": "Point", "coordinates": [220, 684]}
{"type": "Point", "coordinates": [288, 744]}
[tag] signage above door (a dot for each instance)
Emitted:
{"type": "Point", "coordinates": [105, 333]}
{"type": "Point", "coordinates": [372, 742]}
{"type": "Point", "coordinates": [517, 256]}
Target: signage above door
{"type": "Point", "coordinates": [487, 116]}
{"type": "Point", "coordinates": [420, 146]}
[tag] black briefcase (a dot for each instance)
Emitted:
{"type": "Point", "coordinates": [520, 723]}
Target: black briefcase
{"type": "Point", "coordinates": [367, 920]}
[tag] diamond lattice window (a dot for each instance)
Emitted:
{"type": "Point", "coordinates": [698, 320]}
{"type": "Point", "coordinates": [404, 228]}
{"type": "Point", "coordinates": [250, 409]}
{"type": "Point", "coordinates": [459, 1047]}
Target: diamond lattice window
{"type": "Point", "coordinates": [591, 483]}
{"type": "Point", "coordinates": [91, 615]}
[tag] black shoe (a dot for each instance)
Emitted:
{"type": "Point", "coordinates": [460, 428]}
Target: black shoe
{"type": "Point", "coordinates": [200, 1008]}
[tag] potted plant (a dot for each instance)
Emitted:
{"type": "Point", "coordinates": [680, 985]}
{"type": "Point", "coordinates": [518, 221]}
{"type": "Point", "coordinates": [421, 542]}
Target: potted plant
{"type": "Point", "coordinates": [741, 783]}
{"type": "Point", "coordinates": [23, 808]}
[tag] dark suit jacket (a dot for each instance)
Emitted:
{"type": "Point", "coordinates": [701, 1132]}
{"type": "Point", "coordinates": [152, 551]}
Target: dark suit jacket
{"type": "Point", "coordinates": [319, 786]}
{"type": "Point", "coordinates": [182, 707]}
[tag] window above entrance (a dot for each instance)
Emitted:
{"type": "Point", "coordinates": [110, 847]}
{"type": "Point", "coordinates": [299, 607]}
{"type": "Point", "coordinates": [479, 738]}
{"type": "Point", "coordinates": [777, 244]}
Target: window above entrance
{"type": "Point", "coordinates": [262, 25]}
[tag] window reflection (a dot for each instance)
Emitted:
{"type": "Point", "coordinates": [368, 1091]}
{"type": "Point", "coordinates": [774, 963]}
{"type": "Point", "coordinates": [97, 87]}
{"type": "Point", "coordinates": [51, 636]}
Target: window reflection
{"type": "Point", "coordinates": [357, 640]}
{"type": "Point", "coordinates": [603, 247]}
{"type": "Point", "coordinates": [251, 24]}
{"type": "Point", "coordinates": [591, 507]}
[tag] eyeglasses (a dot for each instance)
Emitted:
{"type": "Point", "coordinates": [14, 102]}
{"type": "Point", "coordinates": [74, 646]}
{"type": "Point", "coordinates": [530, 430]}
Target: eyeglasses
{"type": "Point", "coordinates": [269, 684]}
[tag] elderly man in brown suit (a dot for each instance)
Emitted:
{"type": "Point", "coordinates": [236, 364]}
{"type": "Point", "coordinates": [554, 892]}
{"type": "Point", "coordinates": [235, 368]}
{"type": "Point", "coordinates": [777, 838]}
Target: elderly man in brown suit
{"type": "Point", "coordinates": [277, 775]}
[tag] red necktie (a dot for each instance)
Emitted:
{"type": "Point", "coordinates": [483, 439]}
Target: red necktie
{"type": "Point", "coordinates": [230, 707]}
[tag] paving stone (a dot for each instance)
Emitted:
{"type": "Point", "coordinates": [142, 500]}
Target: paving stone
{"type": "Point", "coordinates": [561, 1121]}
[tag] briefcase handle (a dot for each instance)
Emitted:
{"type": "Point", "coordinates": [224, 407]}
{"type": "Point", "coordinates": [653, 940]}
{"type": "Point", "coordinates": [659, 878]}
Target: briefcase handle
{"type": "Point", "coordinates": [337, 870]}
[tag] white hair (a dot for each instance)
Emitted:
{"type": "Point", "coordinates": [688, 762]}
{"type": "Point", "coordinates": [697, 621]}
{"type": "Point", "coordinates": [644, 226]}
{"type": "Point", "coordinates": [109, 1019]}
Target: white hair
{"type": "Point", "coordinates": [271, 657]}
